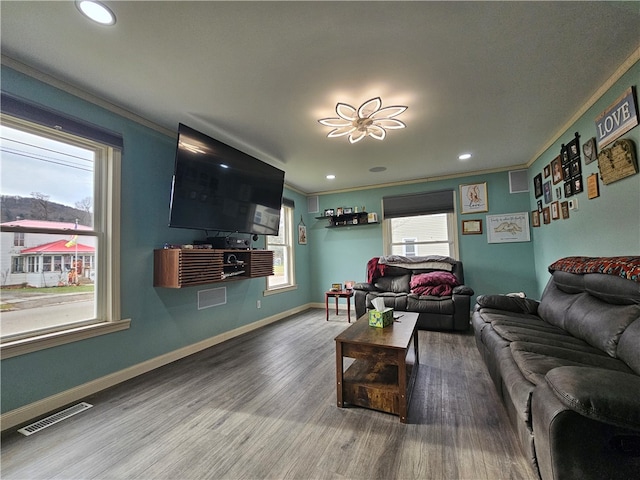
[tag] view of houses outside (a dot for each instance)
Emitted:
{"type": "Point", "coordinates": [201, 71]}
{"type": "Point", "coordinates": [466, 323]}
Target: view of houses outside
{"type": "Point", "coordinates": [47, 264]}
{"type": "Point", "coordinates": [420, 235]}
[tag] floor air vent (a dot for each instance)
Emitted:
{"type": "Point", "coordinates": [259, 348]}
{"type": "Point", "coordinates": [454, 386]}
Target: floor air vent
{"type": "Point", "coordinates": [55, 418]}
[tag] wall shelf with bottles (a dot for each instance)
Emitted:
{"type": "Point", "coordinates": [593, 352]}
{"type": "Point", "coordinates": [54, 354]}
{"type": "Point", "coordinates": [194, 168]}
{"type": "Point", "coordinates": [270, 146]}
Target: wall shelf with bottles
{"type": "Point", "coordinates": [351, 219]}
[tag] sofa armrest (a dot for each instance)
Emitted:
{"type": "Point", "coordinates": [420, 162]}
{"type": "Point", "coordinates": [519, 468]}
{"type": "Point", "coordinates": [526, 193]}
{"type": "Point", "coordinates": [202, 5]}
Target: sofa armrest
{"type": "Point", "coordinates": [603, 395]}
{"type": "Point", "coordinates": [463, 290]}
{"type": "Point", "coordinates": [365, 287]}
{"type": "Point", "coordinates": [508, 303]}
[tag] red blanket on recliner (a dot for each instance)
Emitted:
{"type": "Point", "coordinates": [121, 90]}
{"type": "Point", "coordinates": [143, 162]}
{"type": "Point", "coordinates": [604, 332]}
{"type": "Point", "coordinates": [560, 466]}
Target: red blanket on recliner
{"type": "Point", "coordinates": [437, 284]}
{"type": "Point", "coordinates": [375, 269]}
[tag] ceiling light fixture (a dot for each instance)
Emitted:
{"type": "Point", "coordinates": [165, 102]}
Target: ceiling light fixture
{"type": "Point", "coordinates": [96, 11]}
{"type": "Point", "coordinates": [368, 120]}
{"type": "Point", "coordinates": [331, 177]}
{"type": "Point", "coordinates": [464, 156]}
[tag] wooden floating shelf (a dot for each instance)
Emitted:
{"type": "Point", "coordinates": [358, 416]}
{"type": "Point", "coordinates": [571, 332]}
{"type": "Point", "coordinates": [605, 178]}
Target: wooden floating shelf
{"type": "Point", "coordinates": [183, 267]}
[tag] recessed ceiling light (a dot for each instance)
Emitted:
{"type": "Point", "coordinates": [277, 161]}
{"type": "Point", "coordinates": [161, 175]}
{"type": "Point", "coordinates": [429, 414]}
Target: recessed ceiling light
{"type": "Point", "coordinates": [377, 169]}
{"type": "Point", "coordinates": [330, 177]}
{"type": "Point", "coordinates": [96, 11]}
{"type": "Point", "coordinates": [465, 156]}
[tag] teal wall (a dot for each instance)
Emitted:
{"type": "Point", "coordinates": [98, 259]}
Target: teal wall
{"type": "Point", "coordinates": [341, 254]}
{"type": "Point", "coordinates": [603, 226]}
{"type": "Point", "coordinates": [162, 320]}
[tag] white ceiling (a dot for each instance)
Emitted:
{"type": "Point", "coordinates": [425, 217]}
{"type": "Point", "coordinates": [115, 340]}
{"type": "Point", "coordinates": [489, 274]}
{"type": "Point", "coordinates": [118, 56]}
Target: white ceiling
{"type": "Point", "coordinates": [498, 79]}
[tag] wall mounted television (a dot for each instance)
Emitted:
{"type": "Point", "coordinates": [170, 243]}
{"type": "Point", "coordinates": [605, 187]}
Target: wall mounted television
{"type": "Point", "coordinates": [218, 188]}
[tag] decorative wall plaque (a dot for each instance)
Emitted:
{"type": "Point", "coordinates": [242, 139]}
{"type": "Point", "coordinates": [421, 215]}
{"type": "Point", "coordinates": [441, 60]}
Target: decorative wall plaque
{"type": "Point", "coordinates": [618, 119]}
{"type": "Point", "coordinates": [617, 162]}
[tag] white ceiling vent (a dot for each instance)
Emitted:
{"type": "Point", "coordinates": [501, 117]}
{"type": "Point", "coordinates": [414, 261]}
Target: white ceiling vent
{"type": "Point", "coordinates": [212, 297]}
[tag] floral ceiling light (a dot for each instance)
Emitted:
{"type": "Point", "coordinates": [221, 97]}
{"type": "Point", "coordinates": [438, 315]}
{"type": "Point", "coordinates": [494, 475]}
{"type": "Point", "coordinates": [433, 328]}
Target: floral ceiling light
{"type": "Point", "coordinates": [368, 120]}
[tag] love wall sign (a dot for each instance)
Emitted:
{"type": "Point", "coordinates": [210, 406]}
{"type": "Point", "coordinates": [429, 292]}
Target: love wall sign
{"type": "Point", "coordinates": [618, 119]}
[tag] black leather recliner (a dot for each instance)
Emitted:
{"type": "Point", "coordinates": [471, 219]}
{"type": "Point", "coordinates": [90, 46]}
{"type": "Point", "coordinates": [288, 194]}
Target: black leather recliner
{"type": "Point", "coordinates": [449, 312]}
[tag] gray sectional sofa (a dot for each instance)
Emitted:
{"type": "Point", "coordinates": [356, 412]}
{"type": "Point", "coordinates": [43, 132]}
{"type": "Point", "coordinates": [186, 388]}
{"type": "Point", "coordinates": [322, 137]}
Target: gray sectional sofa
{"type": "Point", "coordinates": [567, 367]}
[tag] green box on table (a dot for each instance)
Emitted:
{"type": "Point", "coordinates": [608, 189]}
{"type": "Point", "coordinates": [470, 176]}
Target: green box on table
{"type": "Point", "coordinates": [381, 319]}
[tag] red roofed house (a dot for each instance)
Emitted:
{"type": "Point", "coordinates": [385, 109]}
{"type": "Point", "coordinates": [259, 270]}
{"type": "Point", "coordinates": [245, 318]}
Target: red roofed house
{"type": "Point", "coordinates": [46, 259]}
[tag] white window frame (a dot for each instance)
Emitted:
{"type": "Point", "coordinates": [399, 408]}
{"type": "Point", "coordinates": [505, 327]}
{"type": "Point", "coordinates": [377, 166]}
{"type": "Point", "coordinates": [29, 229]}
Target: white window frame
{"type": "Point", "coordinates": [107, 232]}
{"type": "Point", "coordinates": [288, 246]}
{"type": "Point", "coordinates": [452, 234]}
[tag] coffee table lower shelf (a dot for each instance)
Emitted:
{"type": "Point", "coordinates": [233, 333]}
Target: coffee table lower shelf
{"type": "Point", "coordinates": [375, 386]}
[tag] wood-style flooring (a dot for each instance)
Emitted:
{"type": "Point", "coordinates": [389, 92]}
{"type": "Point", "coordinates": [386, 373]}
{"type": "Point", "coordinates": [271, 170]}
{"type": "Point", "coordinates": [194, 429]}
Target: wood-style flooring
{"type": "Point", "coordinates": [263, 406]}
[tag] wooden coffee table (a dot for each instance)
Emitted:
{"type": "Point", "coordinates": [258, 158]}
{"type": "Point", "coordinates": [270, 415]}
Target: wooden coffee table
{"type": "Point", "coordinates": [384, 370]}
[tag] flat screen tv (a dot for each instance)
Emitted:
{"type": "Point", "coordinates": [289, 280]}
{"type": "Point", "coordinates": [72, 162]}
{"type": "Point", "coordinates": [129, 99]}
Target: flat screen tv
{"type": "Point", "coordinates": [219, 188]}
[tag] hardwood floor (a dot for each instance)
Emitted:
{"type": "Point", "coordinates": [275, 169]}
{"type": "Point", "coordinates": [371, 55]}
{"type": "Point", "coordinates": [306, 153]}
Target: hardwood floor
{"type": "Point", "coordinates": [263, 406]}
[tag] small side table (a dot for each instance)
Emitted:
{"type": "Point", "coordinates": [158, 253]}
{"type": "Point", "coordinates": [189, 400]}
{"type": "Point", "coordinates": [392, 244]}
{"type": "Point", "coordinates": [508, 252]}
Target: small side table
{"type": "Point", "coordinates": [338, 294]}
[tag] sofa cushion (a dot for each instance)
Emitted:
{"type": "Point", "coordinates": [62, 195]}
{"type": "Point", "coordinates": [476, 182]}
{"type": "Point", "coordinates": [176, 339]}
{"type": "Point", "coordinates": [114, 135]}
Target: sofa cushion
{"type": "Point", "coordinates": [535, 360]}
{"type": "Point", "coordinates": [629, 346]}
{"type": "Point", "coordinates": [555, 302]}
{"type": "Point", "coordinates": [517, 334]}
{"type": "Point", "coordinates": [568, 282]}
{"type": "Point", "coordinates": [394, 284]}
{"type": "Point", "coordinates": [611, 289]}
{"type": "Point", "coordinates": [533, 323]}
{"type": "Point", "coordinates": [397, 301]}
{"type": "Point", "coordinates": [508, 303]}
{"type": "Point", "coordinates": [430, 304]}
{"type": "Point", "coordinates": [515, 386]}
{"type": "Point", "coordinates": [596, 394]}
{"type": "Point", "coordinates": [599, 323]}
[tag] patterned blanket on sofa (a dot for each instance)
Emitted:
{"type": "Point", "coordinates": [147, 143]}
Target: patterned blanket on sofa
{"type": "Point", "coordinates": [625, 267]}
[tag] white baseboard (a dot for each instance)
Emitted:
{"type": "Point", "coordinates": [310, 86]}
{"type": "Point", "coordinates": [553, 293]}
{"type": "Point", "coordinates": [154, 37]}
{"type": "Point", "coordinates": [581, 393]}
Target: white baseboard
{"type": "Point", "coordinates": [42, 407]}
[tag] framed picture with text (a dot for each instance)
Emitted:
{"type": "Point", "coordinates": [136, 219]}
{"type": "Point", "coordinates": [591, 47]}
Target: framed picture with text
{"type": "Point", "coordinates": [472, 227]}
{"type": "Point", "coordinates": [473, 198]}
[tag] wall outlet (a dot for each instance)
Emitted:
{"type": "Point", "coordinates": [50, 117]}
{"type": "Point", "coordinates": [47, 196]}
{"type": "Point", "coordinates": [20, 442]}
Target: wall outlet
{"type": "Point", "coordinates": [258, 304]}
{"type": "Point", "coordinates": [573, 204]}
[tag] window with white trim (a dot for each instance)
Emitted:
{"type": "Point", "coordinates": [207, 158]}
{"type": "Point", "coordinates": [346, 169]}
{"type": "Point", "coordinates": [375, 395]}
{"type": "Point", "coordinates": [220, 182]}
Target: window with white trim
{"type": "Point", "coordinates": [54, 295]}
{"type": "Point", "coordinates": [432, 235]}
{"type": "Point", "coordinates": [420, 224]}
{"type": "Point", "coordinates": [282, 247]}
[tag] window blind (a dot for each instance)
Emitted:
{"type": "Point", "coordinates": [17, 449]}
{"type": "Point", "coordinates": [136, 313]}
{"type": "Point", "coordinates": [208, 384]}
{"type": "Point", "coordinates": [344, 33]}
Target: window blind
{"type": "Point", "coordinates": [31, 112]}
{"type": "Point", "coordinates": [424, 203]}
{"type": "Point", "coordinates": [287, 202]}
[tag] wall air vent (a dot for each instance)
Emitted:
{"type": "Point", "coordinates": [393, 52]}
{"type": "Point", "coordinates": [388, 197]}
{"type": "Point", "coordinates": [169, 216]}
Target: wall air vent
{"type": "Point", "coordinates": [518, 181]}
{"type": "Point", "coordinates": [212, 297]}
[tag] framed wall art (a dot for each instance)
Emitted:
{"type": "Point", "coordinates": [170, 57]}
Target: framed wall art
{"type": "Point", "coordinates": [555, 210]}
{"type": "Point", "coordinates": [593, 190]}
{"type": "Point", "coordinates": [590, 151]}
{"type": "Point", "coordinates": [564, 208]}
{"type": "Point", "coordinates": [472, 227]}
{"type": "Point", "coordinates": [537, 185]}
{"type": "Point", "coordinates": [302, 232]}
{"type": "Point", "coordinates": [548, 194]}
{"type": "Point", "coordinates": [535, 218]}
{"type": "Point", "coordinates": [556, 170]}
{"type": "Point", "coordinates": [473, 198]}
{"type": "Point", "coordinates": [508, 228]}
